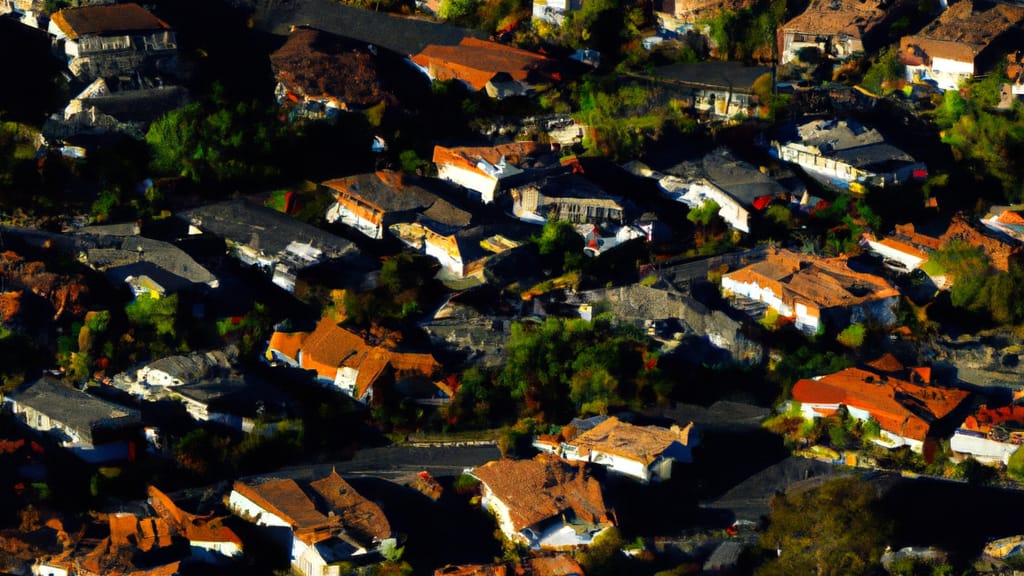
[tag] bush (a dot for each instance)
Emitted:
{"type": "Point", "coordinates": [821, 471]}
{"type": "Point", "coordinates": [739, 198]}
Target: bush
{"type": "Point", "coordinates": [1015, 467]}
{"type": "Point", "coordinates": [852, 336]}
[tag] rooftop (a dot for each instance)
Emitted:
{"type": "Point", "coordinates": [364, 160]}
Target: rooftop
{"type": "Point", "coordinates": [360, 517]}
{"type": "Point", "coordinates": [855, 18]}
{"type": "Point", "coordinates": [284, 498]}
{"type": "Point", "coordinates": [387, 190]}
{"type": "Point", "coordinates": [75, 409]}
{"type": "Point", "coordinates": [542, 488]}
{"type": "Point", "coordinates": [999, 251]}
{"type": "Point", "coordinates": [984, 418]}
{"type": "Point", "coordinates": [316, 63]}
{"type": "Point", "coordinates": [476, 61]}
{"type": "Point", "coordinates": [642, 443]}
{"type": "Point", "coordinates": [242, 222]}
{"type": "Point", "coordinates": [965, 29]}
{"type": "Point", "coordinates": [108, 19]}
{"type": "Point", "coordinates": [899, 406]}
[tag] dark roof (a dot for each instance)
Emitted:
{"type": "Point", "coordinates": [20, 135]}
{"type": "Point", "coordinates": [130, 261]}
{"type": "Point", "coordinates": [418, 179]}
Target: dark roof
{"type": "Point", "coordinates": [405, 36]}
{"type": "Point", "coordinates": [238, 221]}
{"type": "Point", "coordinates": [140, 105]}
{"type": "Point", "coordinates": [875, 157]}
{"type": "Point", "coordinates": [134, 255]}
{"type": "Point", "coordinates": [713, 74]}
{"type": "Point", "coordinates": [317, 63]}
{"type": "Point", "coordinates": [75, 409]}
{"type": "Point", "coordinates": [386, 190]}
{"type": "Point", "coordinates": [110, 19]}
{"type": "Point", "coordinates": [739, 179]}
{"type": "Point", "coordinates": [444, 212]}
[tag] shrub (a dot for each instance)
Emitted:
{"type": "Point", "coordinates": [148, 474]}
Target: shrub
{"type": "Point", "coordinates": [852, 336]}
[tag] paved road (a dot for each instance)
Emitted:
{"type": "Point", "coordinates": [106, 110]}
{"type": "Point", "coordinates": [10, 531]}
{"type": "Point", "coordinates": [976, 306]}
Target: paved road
{"type": "Point", "coordinates": [403, 35]}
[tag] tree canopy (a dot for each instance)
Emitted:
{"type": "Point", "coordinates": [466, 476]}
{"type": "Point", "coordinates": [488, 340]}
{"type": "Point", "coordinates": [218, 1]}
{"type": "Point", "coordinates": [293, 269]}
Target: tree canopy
{"type": "Point", "coordinates": [835, 529]}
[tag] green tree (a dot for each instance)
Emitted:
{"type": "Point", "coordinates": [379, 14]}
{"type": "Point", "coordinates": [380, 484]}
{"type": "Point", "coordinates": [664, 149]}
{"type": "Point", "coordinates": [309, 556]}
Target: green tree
{"type": "Point", "coordinates": [968, 266]}
{"type": "Point", "coordinates": [704, 214]}
{"type": "Point", "coordinates": [1015, 467]}
{"type": "Point", "coordinates": [561, 246]}
{"type": "Point", "coordinates": [885, 68]}
{"type": "Point", "coordinates": [835, 529]}
{"type": "Point", "coordinates": [456, 9]}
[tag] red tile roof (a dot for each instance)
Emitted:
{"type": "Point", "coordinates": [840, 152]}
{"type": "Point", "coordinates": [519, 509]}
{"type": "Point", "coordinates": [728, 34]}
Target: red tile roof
{"type": "Point", "coordinates": [641, 443]}
{"type": "Point", "coordinates": [331, 346]}
{"type": "Point", "coordinates": [854, 18]}
{"type": "Point", "coordinates": [359, 516]}
{"type": "Point", "coordinates": [900, 407]}
{"type": "Point", "coordinates": [284, 498]}
{"type": "Point", "coordinates": [192, 527]}
{"type": "Point", "coordinates": [542, 488]}
{"type": "Point", "coordinates": [984, 418]}
{"type": "Point", "coordinates": [110, 19]}
{"type": "Point", "coordinates": [999, 252]}
{"type": "Point", "coordinates": [476, 61]}
{"type": "Point", "coordinates": [467, 157]}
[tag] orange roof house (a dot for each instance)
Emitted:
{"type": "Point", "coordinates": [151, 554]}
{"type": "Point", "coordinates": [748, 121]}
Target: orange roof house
{"type": "Point", "coordinates": [991, 435]}
{"type": "Point", "coordinates": [486, 170]}
{"type": "Point", "coordinates": [968, 38]}
{"type": "Point", "coordinates": [557, 565]}
{"type": "Point", "coordinates": [328, 519]}
{"type": "Point", "coordinates": [1000, 252]}
{"type": "Point", "coordinates": [344, 359]}
{"type": "Point", "coordinates": [478, 62]}
{"type": "Point", "coordinates": [372, 202]}
{"type": "Point", "coordinates": [207, 536]}
{"type": "Point", "coordinates": [645, 453]}
{"type": "Point", "coordinates": [115, 39]}
{"type": "Point", "coordinates": [839, 28]}
{"type": "Point", "coordinates": [906, 412]}
{"type": "Point", "coordinates": [812, 290]}
{"type": "Point", "coordinates": [544, 502]}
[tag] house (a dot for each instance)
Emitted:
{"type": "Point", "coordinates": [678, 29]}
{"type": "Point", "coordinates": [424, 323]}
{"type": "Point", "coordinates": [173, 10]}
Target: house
{"type": "Point", "coordinates": [490, 170]}
{"type": "Point", "coordinates": [182, 370]}
{"type": "Point", "coordinates": [990, 435]}
{"type": "Point", "coordinates": [210, 540]}
{"type": "Point", "coordinates": [275, 243]}
{"type": "Point", "coordinates": [323, 522]}
{"type": "Point", "coordinates": [477, 62]}
{"type": "Point", "coordinates": [846, 155]}
{"type": "Point", "coordinates": [681, 16]}
{"type": "Point", "coordinates": [372, 202]}
{"type": "Point", "coordinates": [839, 29]}
{"type": "Point", "coordinates": [644, 453]}
{"type": "Point", "coordinates": [319, 75]}
{"type": "Point", "coordinates": [999, 250]}
{"type": "Point", "coordinates": [95, 430]}
{"type": "Point", "coordinates": [147, 266]}
{"type": "Point", "coordinates": [344, 359]}
{"type": "Point", "coordinates": [814, 292]}
{"type": "Point", "coordinates": [114, 40]}
{"type": "Point", "coordinates": [467, 323]}
{"type": "Point", "coordinates": [718, 89]}
{"type": "Point", "coordinates": [904, 249]}
{"type": "Point", "coordinates": [116, 105]}
{"type": "Point", "coordinates": [969, 38]}
{"type": "Point", "coordinates": [121, 543]}
{"type": "Point", "coordinates": [572, 198]}
{"type": "Point", "coordinates": [1006, 220]}
{"type": "Point", "coordinates": [907, 413]}
{"type": "Point", "coordinates": [544, 502]}
{"type": "Point", "coordinates": [554, 11]}
{"type": "Point", "coordinates": [737, 187]}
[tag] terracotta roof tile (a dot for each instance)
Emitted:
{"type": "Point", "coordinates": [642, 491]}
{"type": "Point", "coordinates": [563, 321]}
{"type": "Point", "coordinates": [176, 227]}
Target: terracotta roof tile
{"type": "Point", "coordinates": [467, 157]}
{"type": "Point", "coordinates": [999, 252]}
{"type": "Point", "coordinates": [561, 565]}
{"type": "Point", "coordinates": [984, 418]}
{"type": "Point", "coordinates": [284, 498]}
{"type": "Point", "coordinates": [852, 17]}
{"type": "Point", "coordinates": [641, 443]}
{"type": "Point", "coordinates": [963, 30]}
{"type": "Point", "coordinates": [899, 407]}
{"type": "Point", "coordinates": [542, 488]}
{"type": "Point", "coordinates": [109, 19]}
{"type": "Point", "coordinates": [476, 61]}
{"type": "Point", "coordinates": [473, 570]}
{"type": "Point", "coordinates": [359, 516]}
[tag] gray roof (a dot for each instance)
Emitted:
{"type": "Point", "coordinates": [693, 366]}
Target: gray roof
{"type": "Point", "coordinates": [713, 75]}
{"type": "Point", "coordinates": [192, 367]}
{"type": "Point", "coordinates": [74, 409]}
{"type": "Point", "coordinates": [240, 222]}
{"type": "Point", "coordinates": [131, 250]}
{"type": "Point", "coordinates": [741, 180]}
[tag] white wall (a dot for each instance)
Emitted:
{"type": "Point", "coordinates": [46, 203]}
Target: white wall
{"type": "Point", "coordinates": [246, 508]}
{"type": "Point", "coordinates": [484, 184]}
{"type": "Point", "coordinates": [983, 450]}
